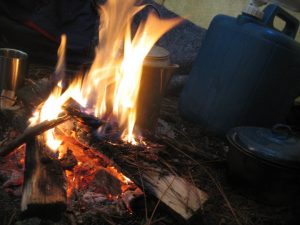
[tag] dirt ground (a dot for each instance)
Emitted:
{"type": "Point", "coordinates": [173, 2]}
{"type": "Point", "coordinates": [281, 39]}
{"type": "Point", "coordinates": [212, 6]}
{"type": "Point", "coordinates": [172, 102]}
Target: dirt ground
{"type": "Point", "coordinates": [196, 155]}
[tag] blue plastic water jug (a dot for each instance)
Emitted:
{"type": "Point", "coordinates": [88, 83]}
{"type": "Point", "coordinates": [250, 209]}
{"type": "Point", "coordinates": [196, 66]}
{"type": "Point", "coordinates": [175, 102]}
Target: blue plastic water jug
{"type": "Point", "coordinates": [246, 73]}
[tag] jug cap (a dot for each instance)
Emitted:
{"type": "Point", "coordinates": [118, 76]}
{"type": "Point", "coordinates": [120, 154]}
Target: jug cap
{"type": "Point", "coordinates": [253, 11]}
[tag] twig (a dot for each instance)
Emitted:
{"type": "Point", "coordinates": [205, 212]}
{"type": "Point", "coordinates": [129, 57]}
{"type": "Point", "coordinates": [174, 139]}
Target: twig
{"type": "Point", "coordinates": [217, 185]}
{"type": "Point", "coordinates": [159, 200]}
{"type": "Point", "coordinates": [192, 150]}
{"type": "Point", "coordinates": [12, 218]}
{"type": "Point", "coordinates": [193, 182]}
{"type": "Point", "coordinates": [158, 220]}
{"type": "Point", "coordinates": [31, 132]}
{"type": "Point", "coordinates": [108, 220]}
{"type": "Point", "coordinates": [143, 187]}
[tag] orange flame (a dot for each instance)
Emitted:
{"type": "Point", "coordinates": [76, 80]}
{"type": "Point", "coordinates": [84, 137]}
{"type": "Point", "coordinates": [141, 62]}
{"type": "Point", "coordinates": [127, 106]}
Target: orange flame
{"type": "Point", "coordinates": [114, 78]}
{"type": "Point", "coordinates": [110, 89]}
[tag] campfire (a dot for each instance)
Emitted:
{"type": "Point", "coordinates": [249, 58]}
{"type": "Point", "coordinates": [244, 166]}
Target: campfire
{"type": "Point", "coordinates": [83, 141]}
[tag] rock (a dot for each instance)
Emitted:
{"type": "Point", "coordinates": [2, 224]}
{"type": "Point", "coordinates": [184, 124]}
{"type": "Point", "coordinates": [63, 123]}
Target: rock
{"type": "Point", "coordinates": [183, 42]}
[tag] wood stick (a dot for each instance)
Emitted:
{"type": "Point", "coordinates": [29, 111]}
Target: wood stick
{"type": "Point", "coordinates": [34, 94]}
{"type": "Point", "coordinates": [44, 188]}
{"type": "Point", "coordinates": [90, 120]}
{"type": "Point", "coordinates": [76, 111]}
{"type": "Point", "coordinates": [31, 132]}
{"type": "Point", "coordinates": [151, 175]}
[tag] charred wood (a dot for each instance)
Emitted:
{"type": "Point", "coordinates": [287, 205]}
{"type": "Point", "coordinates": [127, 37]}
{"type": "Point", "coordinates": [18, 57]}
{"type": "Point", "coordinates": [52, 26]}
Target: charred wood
{"type": "Point", "coordinates": [30, 133]}
{"type": "Point", "coordinates": [142, 165]}
{"type": "Point", "coordinates": [76, 111]}
{"type": "Point", "coordinates": [44, 188]}
{"type": "Point", "coordinates": [33, 94]}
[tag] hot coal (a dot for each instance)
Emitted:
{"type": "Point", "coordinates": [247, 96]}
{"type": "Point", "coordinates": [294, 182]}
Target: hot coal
{"type": "Point", "coordinates": [11, 172]}
{"type": "Point", "coordinates": [108, 131]}
{"type": "Point", "coordinates": [106, 183]}
{"type": "Point", "coordinates": [68, 161]}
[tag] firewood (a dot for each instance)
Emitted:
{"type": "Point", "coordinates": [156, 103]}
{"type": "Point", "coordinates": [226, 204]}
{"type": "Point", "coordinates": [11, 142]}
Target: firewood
{"type": "Point", "coordinates": [179, 195]}
{"type": "Point", "coordinates": [7, 99]}
{"type": "Point", "coordinates": [30, 133]}
{"type": "Point", "coordinates": [44, 188]}
{"type": "Point", "coordinates": [76, 111]}
{"type": "Point", "coordinates": [153, 177]}
{"type": "Point", "coordinates": [33, 94]}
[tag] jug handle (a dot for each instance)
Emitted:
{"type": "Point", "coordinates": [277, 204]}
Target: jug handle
{"type": "Point", "coordinates": [173, 67]}
{"type": "Point", "coordinates": [291, 26]}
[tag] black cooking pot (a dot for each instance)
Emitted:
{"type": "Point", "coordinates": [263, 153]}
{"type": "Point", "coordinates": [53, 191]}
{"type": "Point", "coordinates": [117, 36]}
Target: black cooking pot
{"type": "Point", "coordinates": [266, 163]}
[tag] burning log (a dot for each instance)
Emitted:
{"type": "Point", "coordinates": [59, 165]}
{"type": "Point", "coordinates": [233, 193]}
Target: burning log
{"type": "Point", "coordinates": [44, 189]}
{"type": "Point", "coordinates": [72, 108]}
{"type": "Point", "coordinates": [30, 133]}
{"type": "Point", "coordinates": [142, 165]}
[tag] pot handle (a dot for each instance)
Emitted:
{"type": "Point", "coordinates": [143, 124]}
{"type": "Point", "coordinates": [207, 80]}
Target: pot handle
{"type": "Point", "coordinates": [171, 69]}
{"type": "Point", "coordinates": [282, 131]}
{"type": "Point", "coordinates": [166, 74]}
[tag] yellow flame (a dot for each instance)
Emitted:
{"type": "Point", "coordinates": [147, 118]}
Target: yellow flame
{"type": "Point", "coordinates": [61, 53]}
{"type": "Point", "coordinates": [52, 107]}
{"type": "Point", "coordinates": [111, 86]}
{"type": "Point", "coordinates": [114, 78]}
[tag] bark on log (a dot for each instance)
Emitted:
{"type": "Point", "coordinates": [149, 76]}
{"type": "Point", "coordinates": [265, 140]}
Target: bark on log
{"type": "Point", "coordinates": [44, 188]}
{"type": "Point", "coordinates": [33, 94]}
{"type": "Point", "coordinates": [30, 133]}
{"type": "Point", "coordinates": [74, 111]}
{"type": "Point", "coordinates": [150, 174]}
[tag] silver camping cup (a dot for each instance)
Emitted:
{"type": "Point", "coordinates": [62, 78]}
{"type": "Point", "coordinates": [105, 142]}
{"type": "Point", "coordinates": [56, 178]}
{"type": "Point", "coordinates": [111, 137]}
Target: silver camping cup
{"type": "Point", "coordinates": [13, 68]}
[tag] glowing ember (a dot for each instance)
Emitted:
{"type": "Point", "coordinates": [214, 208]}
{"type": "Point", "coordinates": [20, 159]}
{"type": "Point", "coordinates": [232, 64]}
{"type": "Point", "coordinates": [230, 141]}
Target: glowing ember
{"type": "Point", "coordinates": [91, 164]}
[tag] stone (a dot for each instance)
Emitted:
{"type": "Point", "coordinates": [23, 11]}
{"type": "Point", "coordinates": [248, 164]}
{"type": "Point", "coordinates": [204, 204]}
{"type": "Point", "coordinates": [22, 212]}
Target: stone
{"type": "Point", "coordinates": [183, 42]}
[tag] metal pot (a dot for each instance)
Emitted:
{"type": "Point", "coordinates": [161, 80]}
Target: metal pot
{"type": "Point", "coordinates": [157, 72]}
{"type": "Point", "coordinates": [13, 68]}
{"type": "Point", "coordinates": [266, 163]}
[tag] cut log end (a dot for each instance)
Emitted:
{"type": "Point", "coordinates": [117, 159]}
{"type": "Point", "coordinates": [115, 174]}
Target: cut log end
{"type": "Point", "coordinates": [179, 195]}
{"type": "Point", "coordinates": [44, 189]}
{"type": "Point", "coordinates": [182, 199]}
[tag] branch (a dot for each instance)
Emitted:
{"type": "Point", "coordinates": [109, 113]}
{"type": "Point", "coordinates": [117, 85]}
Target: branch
{"type": "Point", "coordinates": [31, 132]}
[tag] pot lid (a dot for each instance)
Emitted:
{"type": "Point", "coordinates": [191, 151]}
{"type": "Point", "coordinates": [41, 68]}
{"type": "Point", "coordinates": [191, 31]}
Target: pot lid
{"type": "Point", "coordinates": [158, 53]}
{"type": "Point", "coordinates": [278, 145]}
{"type": "Point", "coordinates": [157, 57]}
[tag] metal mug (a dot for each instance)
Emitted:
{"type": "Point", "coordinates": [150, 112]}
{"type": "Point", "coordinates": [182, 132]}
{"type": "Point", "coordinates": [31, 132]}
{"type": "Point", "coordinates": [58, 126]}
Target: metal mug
{"type": "Point", "coordinates": [157, 72]}
{"type": "Point", "coordinates": [13, 68]}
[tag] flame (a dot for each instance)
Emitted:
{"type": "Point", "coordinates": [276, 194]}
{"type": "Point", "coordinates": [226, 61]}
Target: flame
{"type": "Point", "coordinates": [52, 107]}
{"type": "Point", "coordinates": [110, 88]}
{"type": "Point", "coordinates": [117, 67]}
